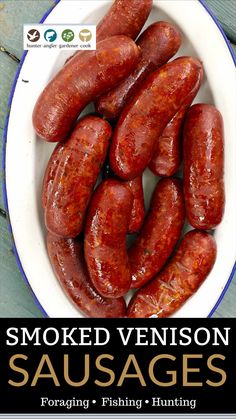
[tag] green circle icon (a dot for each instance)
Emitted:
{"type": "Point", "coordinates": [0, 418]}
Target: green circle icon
{"type": "Point", "coordinates": [67, 35]}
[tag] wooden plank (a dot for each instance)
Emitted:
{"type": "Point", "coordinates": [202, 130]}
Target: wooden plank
{"type": "Point", "coordinates": [12, 17]}
{"type": "Point", "coordinates": [8, 69]}
{"type": "Point", "coordinates": [16, 299]}
{"type": "Point", "coordinates": [225, 11]}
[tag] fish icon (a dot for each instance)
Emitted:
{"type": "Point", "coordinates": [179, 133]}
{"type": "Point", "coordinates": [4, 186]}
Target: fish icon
{"type": "Point", "coordinates": [50, 35]}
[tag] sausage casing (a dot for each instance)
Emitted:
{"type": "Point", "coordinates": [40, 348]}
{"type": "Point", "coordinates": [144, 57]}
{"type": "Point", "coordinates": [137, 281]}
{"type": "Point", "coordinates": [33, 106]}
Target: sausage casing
{"type": "Point", "coordinates": [124, 18]}
{"type": "Point", "coordinates": [167, 154]}
{"type": "Point", "coordinates": [180, 279]}
{"type": "Point", "coordinates": [85, 77]}
{"type": "Point", "coordinates": [159, 234]}
{"type": "Point", "coordinates": [158, 43]}
{"type": "Point", "coordinates": [138, 207]}
{"type": "Point", "coordinates": [204, 166]}
{"type": "Point", "coordinates": [67, 259]}
{"type": "Point", "coordinates": [50, 172]}
{"type": "Point", "coordinates": [67, 188]}
{"type": "Point", "coordinates": [146, 115]}
{"type": "Point", "coordinates": [105, 238]}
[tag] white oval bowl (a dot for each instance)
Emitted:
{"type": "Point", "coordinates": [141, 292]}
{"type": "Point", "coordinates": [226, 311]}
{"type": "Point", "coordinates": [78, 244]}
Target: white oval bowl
{"type": "Point", "coordinates": [27, 156]}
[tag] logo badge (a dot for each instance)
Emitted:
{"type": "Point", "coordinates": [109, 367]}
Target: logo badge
{"type": "Point", "coordinates": [67, 35]}
{"type": "Point", "coordinates": [85, 35]}
{"type": "Point", "coordinates": [57, 37]}
{"type": "Point", "coordinates": [50, 35]}
{"type": "Point", "coordinates": [33, 35]}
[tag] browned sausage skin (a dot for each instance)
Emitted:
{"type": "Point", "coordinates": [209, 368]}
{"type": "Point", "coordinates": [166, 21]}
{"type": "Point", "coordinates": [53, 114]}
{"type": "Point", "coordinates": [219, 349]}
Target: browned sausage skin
{"type": "Point", "coordinates": [204, 166]}
{"type": "Point", "coordinates": [168, 151]}
{"type": "Point", "coordinates": [160, 232]}
{"type": "Point", "coordinates": [67, 259]}
{"type": "Point", "coordinates": [180, 279]}
{"type": "Point", "coordinates": [50, 172]}
{"type": "Point", "coordinates": [85, 77]}
{"type": "Point", "coordinates": [168, 147]}
{"type": "Point", "coordinates": [105, 238]}
{"type": "Point", "coordinates": [124, 18]}
{"type": "Point", "coordinates": [138, 207]}
{"type": "Point", "coordinates": [145, 117]}
{"type": "Point", "coordinates": [158, 43]}
{"type": "Point", "coordinates": [71, 176]}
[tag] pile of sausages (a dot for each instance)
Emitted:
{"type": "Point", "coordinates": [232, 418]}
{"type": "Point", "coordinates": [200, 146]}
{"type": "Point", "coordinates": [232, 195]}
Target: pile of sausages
{"type": "Point", "coordinates": [147, 101]}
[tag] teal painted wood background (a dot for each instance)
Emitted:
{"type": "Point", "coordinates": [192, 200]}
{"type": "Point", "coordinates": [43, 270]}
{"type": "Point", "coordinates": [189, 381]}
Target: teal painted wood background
{"type": "Point", "coordinates": [16, 299]}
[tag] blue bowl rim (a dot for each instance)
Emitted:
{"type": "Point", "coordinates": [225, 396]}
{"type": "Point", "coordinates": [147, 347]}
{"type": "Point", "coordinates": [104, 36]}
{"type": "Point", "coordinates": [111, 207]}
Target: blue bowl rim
{"type": "Point", "coordinates": [203, 3]}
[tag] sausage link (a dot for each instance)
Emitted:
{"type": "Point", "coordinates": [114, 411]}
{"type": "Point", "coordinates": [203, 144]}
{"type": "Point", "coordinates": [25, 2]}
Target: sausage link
{"type": "Point", "coordinates": [123, 18]}
{"type": "Point", "coordinates": [80, 81]}
{"type": "Point", "coordinates": [180, 279]}
{"type": "Point", "coordinates": [50, 172]}
{"type": "Point", "coordinates": [68, 190]}
{"type": "Point", "coordinates": [138, 208]}
{"type": "Point", "coordinates": [168, 149]}
{"type": "Point", "coordinates": [67, 259]}
{"type": "Point", "coordinates": [105, 238]}
{"type": "Point", "coordinates": [145, 117]}
{"type": "Point", "coordinates": [168, 153]}
{"type": "Point", "coordinates": [204, 166]}
{"type": "Point", "coordinates": [158, 43]}
{"type": "Point", "coordinates": [160, 232]}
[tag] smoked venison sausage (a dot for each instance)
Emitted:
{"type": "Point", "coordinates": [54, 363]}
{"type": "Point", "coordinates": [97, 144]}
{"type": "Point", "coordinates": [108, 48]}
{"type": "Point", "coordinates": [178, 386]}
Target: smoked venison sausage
{"type": "Point", "coordinates": [159, 234]}
{"type": "Point", "coordinates": [124, 18]}
{"type": "Point", "coordinates": [50, 172]}
{"type": "Point", "coordinates": [204, 166]}
{"type": "Point", "coordinates": [85, 77]}
{"type": "Point", "coordinates": [145, 117]}
{"type": "Point", "coordinates": [71, 176]}
{"type": "Point", "coordinates": [168, 148]}
{"type": "Point", "coordinates": [168, 151]}
{"type": "Point", "coordinates": [105, 238]}
{"type": "Point", "coordinates": [67, 259]}
{"type": "Point", "coordinates": [138, 208]}
{"type": "Point", "coordinates": [181, 278]}
{"type": "Point", "coordinates": [158, 43]}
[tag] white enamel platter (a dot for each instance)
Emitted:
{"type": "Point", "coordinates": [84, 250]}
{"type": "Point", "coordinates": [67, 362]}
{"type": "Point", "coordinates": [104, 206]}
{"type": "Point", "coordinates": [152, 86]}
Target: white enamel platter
{"type": "Point", "coordinates": [26, 155]}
